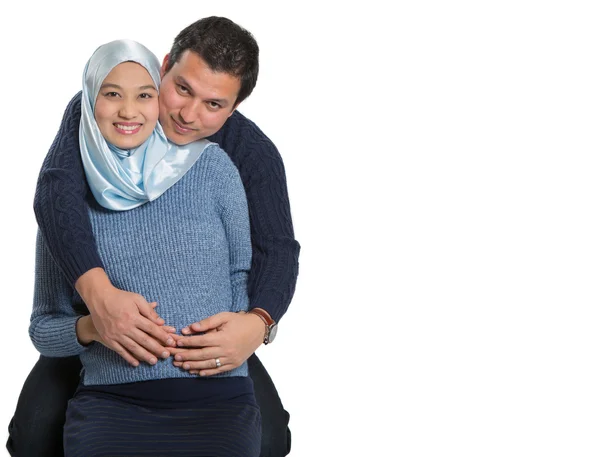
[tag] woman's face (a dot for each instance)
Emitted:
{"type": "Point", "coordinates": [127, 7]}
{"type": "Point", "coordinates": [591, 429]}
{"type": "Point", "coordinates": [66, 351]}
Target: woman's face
{"type": "Point", "coordinates": [126, 108]}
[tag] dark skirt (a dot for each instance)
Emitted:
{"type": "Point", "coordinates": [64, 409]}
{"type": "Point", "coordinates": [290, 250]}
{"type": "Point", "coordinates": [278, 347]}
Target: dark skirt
{"type": "Point", "coordinates": [101, 425]}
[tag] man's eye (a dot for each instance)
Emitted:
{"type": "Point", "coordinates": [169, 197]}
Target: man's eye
{"type": "Point", "coordinates": [182, 88]}
{"type": "Point", "coordinates": [214, 105]}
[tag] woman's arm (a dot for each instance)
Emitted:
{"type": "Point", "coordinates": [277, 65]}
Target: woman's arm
{"type": "Point", "coordinates": [53, 326]}
{"type": "Point", "coordinates": [123, 319]}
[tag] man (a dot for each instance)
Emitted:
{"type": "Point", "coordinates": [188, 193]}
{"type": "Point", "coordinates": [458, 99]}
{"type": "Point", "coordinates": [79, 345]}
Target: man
{"type": "Point", "coordinates": [198, 99]}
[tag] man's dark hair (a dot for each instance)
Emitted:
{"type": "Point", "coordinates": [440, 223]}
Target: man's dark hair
{"type": "Point", "coordinates": [224, 46]}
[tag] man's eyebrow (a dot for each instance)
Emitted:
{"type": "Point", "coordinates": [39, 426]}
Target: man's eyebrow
{"type": "Point", "coordinates": [181, 80]}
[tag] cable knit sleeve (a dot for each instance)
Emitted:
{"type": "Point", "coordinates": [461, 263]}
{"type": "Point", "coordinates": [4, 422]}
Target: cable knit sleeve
{"type": "Point", "coordinates": [53, 321]}
{"type": "Point", "coordinates": [60, 207]}
{"type": "Point", "coordinates": [275, 252]}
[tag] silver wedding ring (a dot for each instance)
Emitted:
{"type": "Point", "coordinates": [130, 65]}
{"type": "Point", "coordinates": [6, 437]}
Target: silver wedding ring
{"type": "Point", "coordinates": [218, 362]}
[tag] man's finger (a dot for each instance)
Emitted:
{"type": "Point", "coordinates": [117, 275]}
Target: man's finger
{"type": "Point", "coordinates": [209, 323]}
{"type": "Point", "coordinates": [199, 354]}
{"type": "Point", "coordinates": [207, 365]}
{"type": "Point", "coordinates": [155, 331]}
{"type": "Point", "coordinates": [148, 343]}
{"type": "Point", "coordinates": [123, 353]}
{"type": "Point", "coordinates": [197, 341]}
{"type": "Point", "coordinates": [138, 351]}
{"type": "Point", "coordinates": [147, 310]}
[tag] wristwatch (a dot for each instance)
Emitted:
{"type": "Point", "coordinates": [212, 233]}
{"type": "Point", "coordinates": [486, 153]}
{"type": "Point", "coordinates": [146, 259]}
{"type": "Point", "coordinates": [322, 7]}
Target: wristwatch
{"type": "Point", "coordinates": [270, 325]}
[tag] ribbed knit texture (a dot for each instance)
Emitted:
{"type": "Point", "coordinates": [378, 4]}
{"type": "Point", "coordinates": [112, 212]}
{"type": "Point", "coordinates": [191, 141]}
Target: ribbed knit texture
{"type": "Point", "coordinates": [60, 208]}
{"type": "Point", "coordinates": [189, 251]}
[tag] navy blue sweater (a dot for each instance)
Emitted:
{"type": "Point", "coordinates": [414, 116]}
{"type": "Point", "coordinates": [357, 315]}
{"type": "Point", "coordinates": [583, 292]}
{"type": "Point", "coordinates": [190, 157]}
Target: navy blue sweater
{"type": "Point", "coordinates": [63, 217]}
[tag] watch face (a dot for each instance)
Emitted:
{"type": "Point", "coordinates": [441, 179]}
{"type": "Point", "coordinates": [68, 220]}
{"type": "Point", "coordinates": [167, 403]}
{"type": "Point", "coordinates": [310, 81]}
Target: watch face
{"type": "Point", "coordinates": [272, 333]}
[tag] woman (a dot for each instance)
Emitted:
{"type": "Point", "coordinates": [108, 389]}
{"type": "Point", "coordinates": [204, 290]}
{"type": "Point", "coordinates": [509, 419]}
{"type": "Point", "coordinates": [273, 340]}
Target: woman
{"type": "Point", "coordinates": [191, 257]}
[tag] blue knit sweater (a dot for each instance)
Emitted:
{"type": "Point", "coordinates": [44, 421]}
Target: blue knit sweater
{"type": "Point", "coordinates": [62, 215]}
{"type": "Point", "coordinates": [189, 250]}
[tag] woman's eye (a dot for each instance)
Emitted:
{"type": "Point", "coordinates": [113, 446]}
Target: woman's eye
{"type": "Point", "coordinates": [111, 94]}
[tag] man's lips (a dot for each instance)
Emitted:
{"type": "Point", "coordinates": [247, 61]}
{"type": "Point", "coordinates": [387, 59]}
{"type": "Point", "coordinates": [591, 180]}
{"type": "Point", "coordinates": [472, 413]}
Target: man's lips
{"type": "Point", "coordinates": [180, 128]}
{"type": "Point", "coordinates": [128, 128]}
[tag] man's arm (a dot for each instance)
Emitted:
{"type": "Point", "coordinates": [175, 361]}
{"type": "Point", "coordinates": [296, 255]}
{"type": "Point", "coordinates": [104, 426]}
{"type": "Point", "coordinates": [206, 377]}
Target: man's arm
{"type": "Point", "coordinates": [126, 322]}
{"type": "Point", "coordinates": [59, 203]}
{"type": "Point", "coordinates": [275, 252]}
{"type": "Point", "coordinates": [272, 277]}
{"type": "Point", "coordinates": [247, 330]}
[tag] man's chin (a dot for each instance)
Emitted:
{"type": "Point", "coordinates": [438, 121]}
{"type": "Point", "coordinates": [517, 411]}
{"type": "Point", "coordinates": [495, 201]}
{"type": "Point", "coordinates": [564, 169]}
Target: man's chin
{"type": "Point", "coordinates": [180, 140]}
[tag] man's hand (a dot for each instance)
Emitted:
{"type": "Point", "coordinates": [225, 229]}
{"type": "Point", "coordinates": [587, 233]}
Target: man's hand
{"type": "Point", "coordinates": [230, 337]}
{"type": "Point", "coordinates": [125, 321]}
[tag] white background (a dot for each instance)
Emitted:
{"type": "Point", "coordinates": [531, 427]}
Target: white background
{"type": "Point", "coordinates": [443, 171]}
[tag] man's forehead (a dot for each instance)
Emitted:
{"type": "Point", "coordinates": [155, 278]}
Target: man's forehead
{"type": "Point", "coordinates": [192, 70]}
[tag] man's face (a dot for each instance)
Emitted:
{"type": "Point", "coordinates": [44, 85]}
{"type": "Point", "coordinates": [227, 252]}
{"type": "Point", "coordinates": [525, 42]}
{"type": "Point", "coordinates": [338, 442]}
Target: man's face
{"type": "Point", "coordinates": [194, 101]}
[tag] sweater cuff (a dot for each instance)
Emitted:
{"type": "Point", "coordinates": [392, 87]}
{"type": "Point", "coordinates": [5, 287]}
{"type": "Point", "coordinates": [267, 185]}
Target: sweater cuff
{"type": "Point", "coordinates": [273, 302]}
{"type": "Point", "coordinates": [59, 339]}
{"type": "Point", "coordinates": [75, 265]}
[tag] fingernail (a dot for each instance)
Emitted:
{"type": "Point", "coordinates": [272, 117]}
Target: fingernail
{"type": "Point", "coordinates": [178, 357]}
{"type": "Point", "coordinates": [202, 373]}
{"type": "Point", "coordinates": [180, 343]}
{"type": "Point", "coordinates": [165, 354]}
{"type": "Point", "coordinates": [186, 366]}
{"type": "Point", "coordinates": [152, 361]}
{"type": "Point", "coordinates": [170, 341]}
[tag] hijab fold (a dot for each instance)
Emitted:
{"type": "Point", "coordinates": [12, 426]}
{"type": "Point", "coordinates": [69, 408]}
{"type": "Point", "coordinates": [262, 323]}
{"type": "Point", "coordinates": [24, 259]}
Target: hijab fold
{"type": "Point", "coordinates": [125, 179]}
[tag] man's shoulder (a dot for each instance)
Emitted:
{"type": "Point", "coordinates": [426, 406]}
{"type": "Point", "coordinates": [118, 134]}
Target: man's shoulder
{"type": "Point", "coordinates": [72, 114]}
{"type": "Point", "coordinates": [240, 136]}
{"type": "Point", "coordinates": [74, 106]}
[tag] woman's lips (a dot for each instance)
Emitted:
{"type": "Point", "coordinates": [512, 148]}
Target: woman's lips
{"type": "Point", "coordinates": [128, 128]}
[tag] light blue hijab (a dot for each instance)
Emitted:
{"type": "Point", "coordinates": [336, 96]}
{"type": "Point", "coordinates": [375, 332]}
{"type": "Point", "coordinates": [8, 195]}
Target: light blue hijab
{"type": "Point", "coordinates": [124, 179]}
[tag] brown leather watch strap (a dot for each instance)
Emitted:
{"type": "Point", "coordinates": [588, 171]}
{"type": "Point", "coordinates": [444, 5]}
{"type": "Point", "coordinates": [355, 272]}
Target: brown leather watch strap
{"type": "Point", "coordinates": [263, 315]}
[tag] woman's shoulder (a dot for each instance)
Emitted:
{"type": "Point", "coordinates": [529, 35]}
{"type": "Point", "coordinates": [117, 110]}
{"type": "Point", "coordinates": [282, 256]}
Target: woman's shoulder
{"type": "Point", "coordinates": [218, 161]}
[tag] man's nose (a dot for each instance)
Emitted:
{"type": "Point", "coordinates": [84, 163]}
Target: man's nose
{"type": "Point", "coordinates": [189, 112]}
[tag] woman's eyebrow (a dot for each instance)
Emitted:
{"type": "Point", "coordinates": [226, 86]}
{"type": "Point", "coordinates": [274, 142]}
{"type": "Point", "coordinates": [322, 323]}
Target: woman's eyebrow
{"type": "Point", "coordinates": [149, 86]}
{"type": "Point", "coordinates": [115, 86]}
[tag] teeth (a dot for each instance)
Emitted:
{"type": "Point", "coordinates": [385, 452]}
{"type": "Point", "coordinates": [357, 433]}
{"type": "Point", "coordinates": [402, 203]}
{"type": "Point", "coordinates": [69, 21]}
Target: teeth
{"type": "Point", "coordinates": [127, 128]}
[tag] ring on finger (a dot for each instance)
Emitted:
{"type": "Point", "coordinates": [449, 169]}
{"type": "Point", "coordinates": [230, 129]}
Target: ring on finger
{"type": "Point", "coordinates": [218, 362]}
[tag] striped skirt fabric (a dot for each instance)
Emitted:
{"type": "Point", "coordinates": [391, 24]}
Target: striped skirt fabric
{"type": "Point", "coordinates": [101, 426]}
